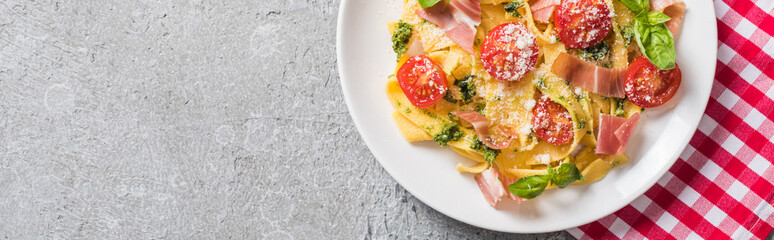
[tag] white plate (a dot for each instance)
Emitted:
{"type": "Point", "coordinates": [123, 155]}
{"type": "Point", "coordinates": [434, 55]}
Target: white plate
{"type": "Point", "coordinates": [365, 59]}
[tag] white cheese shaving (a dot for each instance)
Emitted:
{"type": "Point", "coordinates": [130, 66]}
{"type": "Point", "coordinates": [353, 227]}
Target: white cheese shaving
{"type": "Point", "coordinates": [526, 130]}
{"type": "Point", "coordinates": [543, 158]}
{"type": "Point", "coordinates": [529, 104]}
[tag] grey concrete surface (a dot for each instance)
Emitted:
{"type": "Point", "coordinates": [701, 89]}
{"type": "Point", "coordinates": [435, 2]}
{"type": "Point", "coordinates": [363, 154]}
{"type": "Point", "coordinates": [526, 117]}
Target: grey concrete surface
{"type": "Point", "coordinates": [189, 120]}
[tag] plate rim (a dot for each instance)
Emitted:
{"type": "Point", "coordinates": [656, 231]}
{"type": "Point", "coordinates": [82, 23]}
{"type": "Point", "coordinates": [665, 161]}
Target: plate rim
{"type": "Point", "coordinates": [344, 4]}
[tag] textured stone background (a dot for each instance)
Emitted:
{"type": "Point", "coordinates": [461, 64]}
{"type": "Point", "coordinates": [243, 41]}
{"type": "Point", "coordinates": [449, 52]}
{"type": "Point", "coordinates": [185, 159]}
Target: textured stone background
{"type": "Point", "coordinates": [189, 119]}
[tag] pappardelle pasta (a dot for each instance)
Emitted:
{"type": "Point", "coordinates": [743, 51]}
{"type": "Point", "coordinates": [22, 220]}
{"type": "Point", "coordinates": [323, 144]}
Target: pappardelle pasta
{"type": "Point", "coordinates": [540, 94]}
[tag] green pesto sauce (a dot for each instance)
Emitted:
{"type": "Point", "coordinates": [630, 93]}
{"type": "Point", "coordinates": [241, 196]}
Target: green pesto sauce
{"type": "Point", "coordinates": [453, 117]}
{"type": "Point", "coordinates": [619, 107]}
{"type": "Point", "coordinates": [581, 122]}
{"type": "Point", "coordinates": [480, 107]}
{"type": "Point", "coordinates": [400, 38]}
{"type": "Point", "coordinates": [541, 83]}
{"type": "Point", "coordinates": [596, 52]}
{"type": "Point", "coordinates": [430, 114]}
{"type": "Point", "coordinates": [615, 163]}
{"type": "Point", "coordinates": [448, 97]}
{"type": "Point", "coordinates": [450, 132]}
{"type": "Point", "coordinates": [489, 154]}
{"type": "Point", "coordinates": [467, 88]}
{"type": "Point", "coordinates": [580, 97]}
{"type": "Point", "coordinates": [513, 6]}
{"type": "Point", "coordinates": [628, 34]}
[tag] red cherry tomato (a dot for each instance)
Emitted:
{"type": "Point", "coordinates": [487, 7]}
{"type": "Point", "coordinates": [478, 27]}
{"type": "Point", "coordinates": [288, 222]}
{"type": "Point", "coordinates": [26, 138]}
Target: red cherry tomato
{"type": "Point", "coordinates": [509, 52]}
{"type": "Point", "coordinates": [582, 23]}
{"type": "Point", "coordinates": [422, 80]}
{"type": "Point", "coordinates": [647, 86]}
{"type": "Point", "coordinates": [552, 122]}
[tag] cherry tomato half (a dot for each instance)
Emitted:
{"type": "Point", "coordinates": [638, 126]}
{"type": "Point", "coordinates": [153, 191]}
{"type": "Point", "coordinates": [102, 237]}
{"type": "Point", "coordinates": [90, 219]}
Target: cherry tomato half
{"type": "Point", "coordinates": [552, 122]}
{"type": "Point", "coordinates": [647, 86]}
{"type": "Point", "coordinates": [422, 80]}
{"type": "Point", "coordinates": [582, 23]}
{"type": "Point", "coordinates": [509, 52]}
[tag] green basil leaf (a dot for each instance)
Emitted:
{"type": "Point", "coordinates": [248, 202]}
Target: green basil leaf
{"type": "Point", "coordinates": [566, 174]}
{"type": "Point", "coordinates": [530, 187]}
{"type": "Point", "coordinates": [657, 17]}
{"type": "Point", "coordinates": [655, 42]}
{"type": "Point", "coordinates": [428, 3]}
{"type": "Point", "coordinates": [550, 172]}
{"type": "Point", "coordinates": [637, 6]}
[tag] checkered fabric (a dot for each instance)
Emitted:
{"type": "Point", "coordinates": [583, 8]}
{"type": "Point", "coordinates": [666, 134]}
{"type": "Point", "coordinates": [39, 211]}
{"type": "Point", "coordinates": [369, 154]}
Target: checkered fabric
{"type": "Point", "coordinates": [722, 186]}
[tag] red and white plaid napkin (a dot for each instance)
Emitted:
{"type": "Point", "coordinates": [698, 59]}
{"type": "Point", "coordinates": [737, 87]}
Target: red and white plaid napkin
{"type": "Point", "coordinates": [722, 186]}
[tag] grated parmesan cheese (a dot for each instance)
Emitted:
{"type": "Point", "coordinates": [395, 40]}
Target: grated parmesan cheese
{"type": "Point", "coordinates": [523, 42]}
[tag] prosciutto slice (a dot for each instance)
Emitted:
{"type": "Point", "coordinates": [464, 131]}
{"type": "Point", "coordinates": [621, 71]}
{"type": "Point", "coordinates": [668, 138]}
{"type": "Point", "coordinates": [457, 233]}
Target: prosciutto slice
{"type": "Point", "coordinates": [489, 183]}
{"type": "Point", "coordinates": [481, 125]}
{"type": "Point", "coordinates": [614, 133]}
{"type": "Point", "coordinates": [675, 9]}
{"type": "Point", "coordinates": [457, 19]}
{"type": "Point", "coordinates": [600, 80]}
{"type": "Point", "coordinates": [415, 48]}
{"type": "Point", "coordinates": [543, 9]}
{"type": "Point", "coordinates": [543, 15]}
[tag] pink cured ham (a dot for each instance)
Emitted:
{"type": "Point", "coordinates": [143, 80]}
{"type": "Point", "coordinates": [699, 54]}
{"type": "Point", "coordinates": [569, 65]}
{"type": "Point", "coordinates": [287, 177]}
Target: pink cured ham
{"type": "Point", "coordinates": [542, 4]}
{"type": "Point", "coordinates": [543, 15]}
{"type": "Point", "coordinates": [600, 80]}
{"type": "Point", "coordinates": [481, 125]}
{"type": "Point", "coordinates": [457, 19]}
{"type": "Point", "coordinates": [625, 130]}
{"type": "Point", "coordinates": [543, 9]}
{"type": "Point", "coordinates": [614, 133]}
{"type": "Point", "coordinates": [415, 48]}
{"type": "Point", "coordinates": [489, 183]}
{"type": "Point", "coordinates": [468, 8]}
{"type": "Point", "coordinates": [675, 9]}
{"type": "Point", "coordinates": [607, 142]}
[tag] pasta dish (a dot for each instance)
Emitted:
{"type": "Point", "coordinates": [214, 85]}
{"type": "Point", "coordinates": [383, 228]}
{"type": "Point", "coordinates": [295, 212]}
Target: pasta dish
{"type": "Point", "coordinates": [540, 94]}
